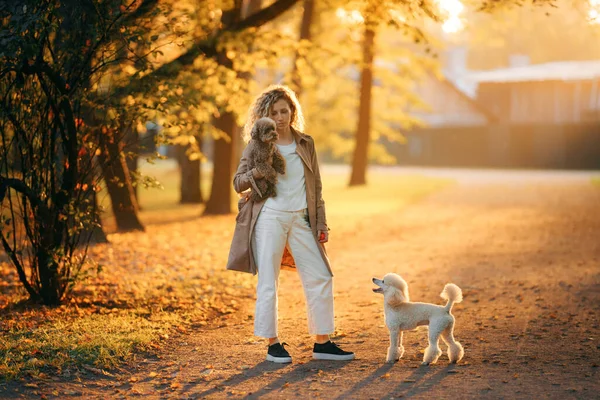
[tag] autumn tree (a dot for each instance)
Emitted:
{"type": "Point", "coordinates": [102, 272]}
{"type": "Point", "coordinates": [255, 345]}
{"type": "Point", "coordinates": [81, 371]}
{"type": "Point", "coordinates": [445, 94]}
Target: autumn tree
{"type": "Point", "coordinates": [330, 67]}
{"type": "Point", "coordinates": [390, 44]}
{"type": "Point", "coordinates": [54, 58]}
{"type": "Point", "coordinates": [212, 58]}
{"type": "Point", "coordinates": [304, 38]}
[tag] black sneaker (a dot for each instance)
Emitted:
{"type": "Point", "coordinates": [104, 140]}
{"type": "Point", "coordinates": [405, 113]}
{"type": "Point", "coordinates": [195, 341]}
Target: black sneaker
{"type": "Point", "coordinates": [277, 353]}
{"type": "Point", "coordinates": [331, 351]}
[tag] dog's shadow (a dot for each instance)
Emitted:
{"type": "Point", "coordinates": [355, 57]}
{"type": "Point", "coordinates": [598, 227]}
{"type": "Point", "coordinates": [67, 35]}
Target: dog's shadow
{"type": "Point", "coordinates": [420, 381]}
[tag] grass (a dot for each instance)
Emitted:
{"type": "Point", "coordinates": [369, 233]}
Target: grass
{"type": "Point", "coordinates": [384, 193]}
{"type": "Point", "coordinates": [164, 281]}
{"type": "Point", "coordinates": [93, 342]}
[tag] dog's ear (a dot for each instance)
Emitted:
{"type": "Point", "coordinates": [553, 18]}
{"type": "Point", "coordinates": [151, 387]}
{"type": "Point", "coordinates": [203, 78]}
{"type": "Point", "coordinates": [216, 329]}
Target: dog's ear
{"type": "Point", "coordinates": [255, 132]}
{"type": "Point", "coordinates": [404, 290]}
{"type": "Point", "coordinates": [403, 287]}
{"type": "Point", "coordinates": [396, 297]}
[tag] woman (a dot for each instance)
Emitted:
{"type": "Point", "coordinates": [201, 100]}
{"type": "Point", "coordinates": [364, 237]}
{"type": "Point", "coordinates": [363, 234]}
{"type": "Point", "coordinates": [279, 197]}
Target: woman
{"type": "Point", "coordinates": [294, 220]}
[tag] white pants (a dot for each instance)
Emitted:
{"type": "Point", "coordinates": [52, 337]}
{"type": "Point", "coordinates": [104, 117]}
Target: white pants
{"type": "Point", "coordinates": [272, 231]}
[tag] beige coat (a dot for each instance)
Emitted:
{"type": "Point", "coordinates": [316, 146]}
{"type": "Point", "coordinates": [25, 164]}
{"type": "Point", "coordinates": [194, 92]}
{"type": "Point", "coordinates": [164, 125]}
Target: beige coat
{"type": "Point", "coordinates": [240, 253]}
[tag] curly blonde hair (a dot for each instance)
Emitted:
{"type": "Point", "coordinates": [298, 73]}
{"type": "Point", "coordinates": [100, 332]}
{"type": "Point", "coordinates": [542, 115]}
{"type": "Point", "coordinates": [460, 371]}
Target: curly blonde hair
{"type": "Point", "coordinates": [263, 103]}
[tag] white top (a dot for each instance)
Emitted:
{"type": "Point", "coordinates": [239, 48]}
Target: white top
{"type": "Point", "coordinates": [291, 187]}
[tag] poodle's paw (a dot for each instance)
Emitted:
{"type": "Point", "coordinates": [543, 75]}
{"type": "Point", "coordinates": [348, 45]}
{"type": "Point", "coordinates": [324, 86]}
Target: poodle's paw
{"type": "Point", "coordinates": [431, 355]}
{"type": "Point", "coordinates": [455, 352]}
{"type": "Point", "coordinates": [425, 364]}
{"type": "Point", "coordinates": [393, 355]}
{"type": "Point", "coordinates": [392, 358]}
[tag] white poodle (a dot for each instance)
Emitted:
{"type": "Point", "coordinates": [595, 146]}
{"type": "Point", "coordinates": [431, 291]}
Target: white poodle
{"type": "Point", "coordinates": [402, 315]}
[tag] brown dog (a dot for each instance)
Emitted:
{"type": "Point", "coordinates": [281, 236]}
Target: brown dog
{"type": "Point", "coordinates": [265, 157]}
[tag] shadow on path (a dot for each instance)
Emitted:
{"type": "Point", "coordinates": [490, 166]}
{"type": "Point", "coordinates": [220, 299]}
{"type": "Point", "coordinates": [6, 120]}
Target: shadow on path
{"type": "Point", "coordinates": [366, 381]}
{"type": "Point", "coordinates": [423, 379]}
{"type": "Point", "coordinates": [295, 373]}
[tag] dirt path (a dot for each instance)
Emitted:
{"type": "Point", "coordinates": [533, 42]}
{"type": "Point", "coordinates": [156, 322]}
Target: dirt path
{"type": "Point", "coordinates": [526, 254]}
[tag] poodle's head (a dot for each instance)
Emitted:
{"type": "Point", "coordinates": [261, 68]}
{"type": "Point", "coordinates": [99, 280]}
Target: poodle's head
{"type": "Point", "coordinates": [394, 289]}
{"type": "Point", "coordinates": [264, 130]}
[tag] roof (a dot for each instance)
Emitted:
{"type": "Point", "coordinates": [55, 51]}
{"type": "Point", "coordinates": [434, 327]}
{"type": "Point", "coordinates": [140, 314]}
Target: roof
{"type": "Point", "coordinates": [553, 71]}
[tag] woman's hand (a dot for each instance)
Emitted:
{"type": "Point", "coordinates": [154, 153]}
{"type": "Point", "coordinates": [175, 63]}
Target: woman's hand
{"type": "Point", "coordinates": [323, 236]}
{"type": "Point", "coordinates": [245, 195]}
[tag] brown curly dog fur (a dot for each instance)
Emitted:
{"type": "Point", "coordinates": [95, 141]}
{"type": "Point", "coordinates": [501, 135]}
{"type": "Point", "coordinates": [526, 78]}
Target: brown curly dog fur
{"type": "Point", "coordinates": [265, 157]}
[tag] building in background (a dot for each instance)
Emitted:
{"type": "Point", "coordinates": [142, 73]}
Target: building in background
{"type": "Point", "coordinates": [558, 92]}
{"type": "Point", "coordinates": [526, 116]}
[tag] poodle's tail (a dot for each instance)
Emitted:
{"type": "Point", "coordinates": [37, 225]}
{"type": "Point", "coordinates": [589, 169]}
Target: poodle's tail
{"type": "Point", "coordinates": [453, 294]}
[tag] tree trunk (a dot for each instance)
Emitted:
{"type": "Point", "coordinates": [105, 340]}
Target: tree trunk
{"type": "Point", "coordinates": [50, 292]}
{"type": "Point", "coordinates": [361, 151]}
{"type": "Point", "coordinates": [307, 18]}
{"type": "Point", "coordinates": [119, 187]}
{"type": "Point", "coordinates": [220, 193]}
{"type": "Point", "coordinates": [190, 189]}
{"type": "Point", "coordinates": [223, 152]}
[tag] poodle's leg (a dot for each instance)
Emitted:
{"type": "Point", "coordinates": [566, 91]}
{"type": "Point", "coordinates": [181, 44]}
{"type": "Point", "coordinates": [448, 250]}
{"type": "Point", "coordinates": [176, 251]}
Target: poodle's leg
{"type": "Point", "coordinates": [433, 352]}
{"type": "Point", "coordinates": [270, 173]}
{"type": "Point", "coordinates": [270, 191]}
{"type": "Point", "coordinates": [395, 351]}
{"type": "Point", "coordinates": [455, 349]}
{"type": "Point", "coordinates": [264, 169]}
{"type": "Point", "coordinates": [279, 163]}
{"type": "Point", "coordinates": [400, 347]}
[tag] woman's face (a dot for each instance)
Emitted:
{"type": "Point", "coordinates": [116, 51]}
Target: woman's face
{"type": "Point", "coordinates": [281, 114]}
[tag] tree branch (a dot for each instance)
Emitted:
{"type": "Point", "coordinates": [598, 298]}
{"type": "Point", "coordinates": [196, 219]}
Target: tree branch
{"type": "Point", "coordinates": [261, 17]}
{"type": "Point", "coordinates": [20, 271]}
{"type": "Point", "coordinates": [19, 186]}
{"type": "Point", "coordinates": [208, 47]}
{"type": "Point", "coordinates": [144, 9]}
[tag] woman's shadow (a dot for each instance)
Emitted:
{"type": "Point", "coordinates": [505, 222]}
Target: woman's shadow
{"type": "Point", "coordinates": [297, 372]}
